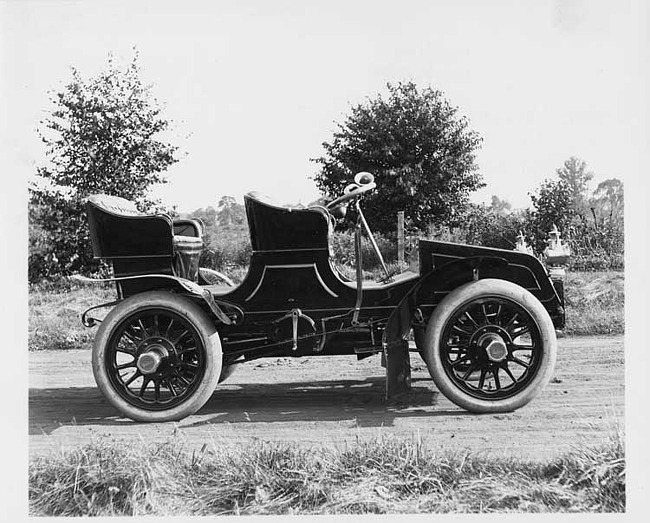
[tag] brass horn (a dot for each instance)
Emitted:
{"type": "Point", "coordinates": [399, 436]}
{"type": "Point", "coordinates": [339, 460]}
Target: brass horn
{"type": "Point", "coordinates": [364, 178]}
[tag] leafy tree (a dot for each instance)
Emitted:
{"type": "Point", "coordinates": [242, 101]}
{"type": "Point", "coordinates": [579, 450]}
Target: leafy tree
{"type": "Point", "coordinates": [551, 206]}
{"type": "Point", "coordinates": [231, 213]}
{"type": "Point", "coordinates": [227, 240]}
{"type": "Point", "coordinates": [593, 225]}
{"type": "Point", "coordinates": [607, 206]}
{"type": "Point", "coordinates": [608, 203]}
{"type": "Point", "coordinates": [575, 176]}
{"type": "Point", "coordinates": [489, 226]}
{"type": "Point", "coordinates": [101, 137]}
{"type": "Point", "coordinates": [421, 153]}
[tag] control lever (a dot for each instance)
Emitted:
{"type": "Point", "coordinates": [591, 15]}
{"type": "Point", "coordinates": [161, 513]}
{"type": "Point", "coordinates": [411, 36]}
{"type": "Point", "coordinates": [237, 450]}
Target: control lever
{"type": "Point", "coordinates": [295, 315]}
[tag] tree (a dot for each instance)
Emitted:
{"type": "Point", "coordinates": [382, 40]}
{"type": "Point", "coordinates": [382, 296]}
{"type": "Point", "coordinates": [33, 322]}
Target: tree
{"type": "Point", "coordinates": [421, 153]}
{"type": "Point", "coordinates": [231, 213]}
{"type": "Point", "coordinates": [575, 176]}
{"type": "Point", "coordinates": [499, 206]}
{"type": "Point", "coordinates": [608, 202]}
{"type": "Point", "coordinates": [607, 206]}
{"type": "Point", "coordinates": [551, 206]}
{"type": "Point", "coordinates": [490, 226]}
{"type": "Point", "coordinates": [101, 137]}
{"type": "Point", "coordinates": [593, 225]}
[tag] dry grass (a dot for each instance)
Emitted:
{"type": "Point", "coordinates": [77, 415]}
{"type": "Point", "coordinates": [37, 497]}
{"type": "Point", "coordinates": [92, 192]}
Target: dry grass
{"type": "Point", "coordinates": [55, 309]}
{"type": "Point", "coordinates": [595, 303]}
{"type": "Point", "coordinates": [383, 476]}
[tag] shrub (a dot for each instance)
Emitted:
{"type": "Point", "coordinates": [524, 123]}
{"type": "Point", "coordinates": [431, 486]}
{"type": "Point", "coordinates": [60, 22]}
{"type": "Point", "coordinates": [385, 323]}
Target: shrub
{"type": "Point", "coordinates": [602, 262]}
{"type": "Point", "coordinates": [342, 248]}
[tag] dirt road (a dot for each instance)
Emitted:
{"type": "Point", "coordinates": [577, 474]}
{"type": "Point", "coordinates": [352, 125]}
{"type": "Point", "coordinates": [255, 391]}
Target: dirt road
{"type": "Point", "coordinates": [329, 400]}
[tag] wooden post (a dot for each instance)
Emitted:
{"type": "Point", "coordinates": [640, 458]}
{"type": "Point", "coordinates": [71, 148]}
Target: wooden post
{"type": "Point", "coordinates": [400, 237]}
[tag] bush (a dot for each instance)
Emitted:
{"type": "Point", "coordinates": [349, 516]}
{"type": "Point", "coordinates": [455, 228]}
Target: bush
{"type": "Point", "coordinates": [226, 251]}
{"type": "Point", "coordinates": [602, 262]}
{"type": "Point", "coordinates": [342, 248]}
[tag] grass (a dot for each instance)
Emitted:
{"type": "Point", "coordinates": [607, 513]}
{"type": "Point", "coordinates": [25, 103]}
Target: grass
{"type": "Point", "coordinates": [594, 304]}
{"type": "Point", "coordinates": [382, 476]}
{"type": "Point", "coordinates": [55, 309]}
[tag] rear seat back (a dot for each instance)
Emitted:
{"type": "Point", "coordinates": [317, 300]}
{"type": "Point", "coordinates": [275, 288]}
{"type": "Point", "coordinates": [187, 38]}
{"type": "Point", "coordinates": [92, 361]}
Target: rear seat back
{"type": "Point", "coordinates": [139, 243]}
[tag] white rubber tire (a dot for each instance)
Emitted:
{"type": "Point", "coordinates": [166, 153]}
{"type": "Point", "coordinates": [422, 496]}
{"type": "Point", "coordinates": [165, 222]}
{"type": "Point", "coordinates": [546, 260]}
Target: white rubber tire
{"type": "Point", "coordinates": [460, 298]}
{"type": "Point", "coordinates": [190, 312]}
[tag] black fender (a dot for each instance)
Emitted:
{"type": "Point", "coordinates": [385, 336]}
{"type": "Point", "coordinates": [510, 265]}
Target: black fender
{"type": "Point", "coordinates": [232, 315]}
{"type": "Point", "coordinates": [442, 279]}
{"type": "Point", "coordinates": [394, 344]}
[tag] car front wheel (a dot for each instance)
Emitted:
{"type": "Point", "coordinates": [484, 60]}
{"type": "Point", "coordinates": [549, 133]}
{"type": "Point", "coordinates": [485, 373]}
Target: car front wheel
{"type": "Point", "coordinates": [490, 346]}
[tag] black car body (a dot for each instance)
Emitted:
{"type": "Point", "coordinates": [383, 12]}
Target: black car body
{"type": "Point", "coordinates": [293, 301]}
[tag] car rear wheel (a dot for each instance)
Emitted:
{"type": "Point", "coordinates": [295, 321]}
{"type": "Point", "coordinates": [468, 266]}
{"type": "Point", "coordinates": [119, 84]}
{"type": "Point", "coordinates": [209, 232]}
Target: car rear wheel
{"type": "Point", "coordinates": [490, 346]}
{"type": "Point", "coordinates": [157, 357]}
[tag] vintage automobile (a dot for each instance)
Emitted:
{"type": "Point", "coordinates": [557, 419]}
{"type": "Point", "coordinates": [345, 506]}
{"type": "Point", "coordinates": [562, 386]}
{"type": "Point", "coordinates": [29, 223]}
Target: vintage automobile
{"type": "Point", "coordinates": [483, 319]}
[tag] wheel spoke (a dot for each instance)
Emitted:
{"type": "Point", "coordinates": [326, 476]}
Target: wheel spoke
{"type": "Point", "coordinates": [481, 380]}
{"type": "Point", "coordinates": [524, 329]}
{"type": "Point", "coordinates": [169, 327]}
{"type": "Point", "coordinates": [495, 373]}
{"type": "Point", "coordinates": [171, 387]}
{"type": "Point", "coordinates": [141, 325]}
{"type": "Point", "coordinates": [186, 349]}
{"type": "Point", "coordinates": [497, 316]}
{"type": "Point", "coordinates": [516, 346]}
{"type": "Point", "coordinates": [178, 375]}
{"type": "Point", "coordinates": [511, 322]}
{"type": "Point", "coordinates": [180, 337]}
{"type": "Point", "coordinates": [126, 350]}
{"type": "Point", "coordinates": [134, 377]}
{"type": "Point", "coordinates": [125, 365]}
{"type": "Point", "coordinates": [485, 314]}
{"type": "Point", "coordinates": [509, 373]}
{"type": "Point", "coordinates": [156, 328]}
{"type": "Point", "coordinates": [522, 363]}
{"type": "Point", "coordinates": [469, 372]}
{"type": "Point", "coordinates": [467, 333]}
{"type": "Point", "coordinates": [471, 319]}
{"type": "Point", "coordinates": [131, 336]}
{"type": "Point", "coordinates": [145, 382]}
{"type": "Point", "coordinates": [460, 360]}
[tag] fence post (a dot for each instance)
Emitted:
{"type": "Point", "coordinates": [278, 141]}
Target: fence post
{"type": "Point", "coordinates": [400, 237]}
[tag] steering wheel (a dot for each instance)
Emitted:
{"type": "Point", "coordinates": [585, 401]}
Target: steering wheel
{"type": "Point", "coordinates": [364, 182]}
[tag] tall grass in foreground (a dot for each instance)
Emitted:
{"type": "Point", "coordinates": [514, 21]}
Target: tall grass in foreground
{"type": "Point", "coordinates": [109, 477]}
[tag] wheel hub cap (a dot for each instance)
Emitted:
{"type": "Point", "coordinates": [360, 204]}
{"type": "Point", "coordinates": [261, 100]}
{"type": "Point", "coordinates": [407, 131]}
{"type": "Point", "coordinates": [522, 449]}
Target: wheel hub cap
{"type": "Point", "coordinates": [494, 347]}
{"type": "Point", "coordinates": [149, 361]}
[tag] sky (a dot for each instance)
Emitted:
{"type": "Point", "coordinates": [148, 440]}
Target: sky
{"type": "Point", "coordinates": [254, 88]}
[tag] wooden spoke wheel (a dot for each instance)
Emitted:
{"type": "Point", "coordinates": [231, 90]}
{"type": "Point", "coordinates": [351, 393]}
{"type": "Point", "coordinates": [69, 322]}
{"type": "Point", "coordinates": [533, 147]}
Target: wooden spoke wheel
{"type": "Point", "coordinates": [157, 357]}
{"type": "Point", "coordinates": [490, 346]}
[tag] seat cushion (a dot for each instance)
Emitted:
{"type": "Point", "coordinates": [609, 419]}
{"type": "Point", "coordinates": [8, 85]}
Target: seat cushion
{"type": "Point", "coordinates": [187, 251]}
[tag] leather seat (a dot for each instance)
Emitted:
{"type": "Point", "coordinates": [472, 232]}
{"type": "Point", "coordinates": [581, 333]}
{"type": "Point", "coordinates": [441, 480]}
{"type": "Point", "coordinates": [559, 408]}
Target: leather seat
{"type": "Point", "coordinates": [121, 233]}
